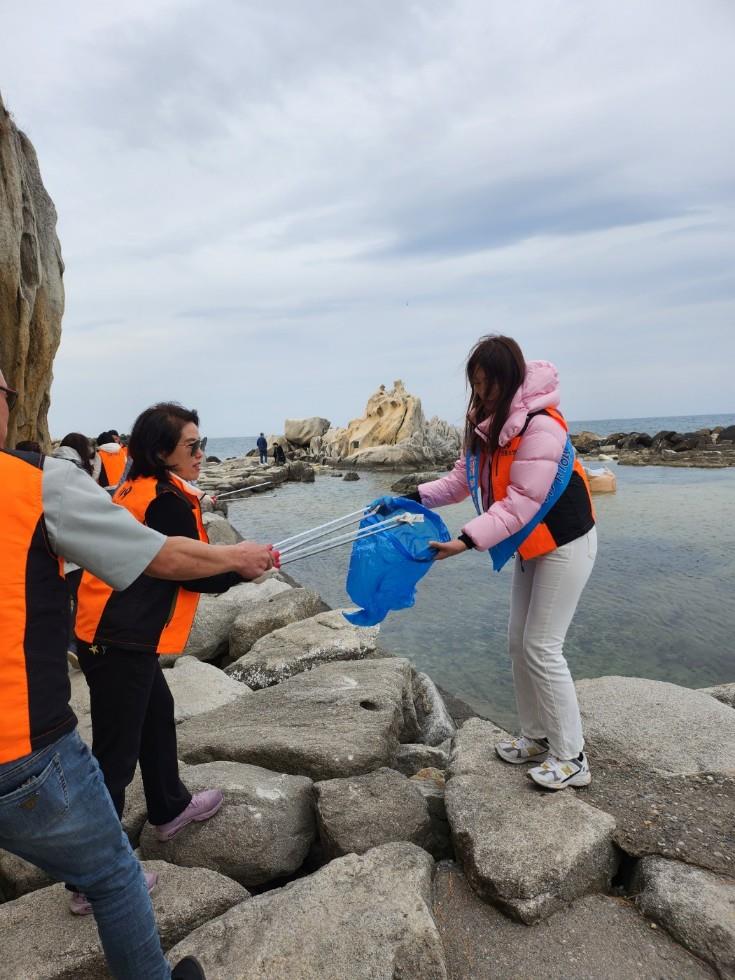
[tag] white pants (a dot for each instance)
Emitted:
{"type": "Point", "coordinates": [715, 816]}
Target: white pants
{"type": "Point", "coordinates": [544, 596]}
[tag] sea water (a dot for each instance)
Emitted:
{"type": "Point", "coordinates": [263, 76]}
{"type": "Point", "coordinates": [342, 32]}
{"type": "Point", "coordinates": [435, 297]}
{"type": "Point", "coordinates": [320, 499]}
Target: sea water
{"type": "Point", "coordinates": [660, 602]}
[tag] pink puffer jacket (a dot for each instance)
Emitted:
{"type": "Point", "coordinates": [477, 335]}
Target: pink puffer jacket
{"type": "Point", "coordinates": [533, 469]}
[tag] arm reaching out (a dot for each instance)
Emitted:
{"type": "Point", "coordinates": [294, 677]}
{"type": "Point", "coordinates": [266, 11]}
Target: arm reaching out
{"type": "Point", "coordinates": [183, 559]}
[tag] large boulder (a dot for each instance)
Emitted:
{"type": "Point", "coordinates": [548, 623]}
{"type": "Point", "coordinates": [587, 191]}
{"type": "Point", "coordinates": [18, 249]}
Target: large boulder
{"type": "Point", "coordinates": [390, 417]}
{"type": "Point", "coordinates": [216, 613]}
{"type": "Point", "coordinates": [43, 941]}
{"type": "Point", "coordinates": [300, 432]}
{"type": "Point", "coordinates": [410, 481]}
{"type": "Point", "coordinates": [722, 692]}
{"type": "Point", "coordinates": [662, 765]}
{"type": "Point", "coordinates": [655, 725]}
{"type": "Point", "coordinates": [393, 433]}
{"type": "Point", "coordinates": [263, 830]}
{"type": "Point", "coordinates": [18, 877]}
{"type": "Point", "coordinates": [586, 442]}
{"type": "Point", "coordinates": [502, 824]}
{"type": "Point", "coordinates": [262, 618]}
{"type": "Point", "coordinates": [324, 638]}
{"type": "Point", "coordinates": [696, 907]}
{"type": "Point", "coordinates": [219, 530]}
{"type": "Point", "coordinates": [31, 286]}
{"type": "Point", "coordinates": [362, 812]}
{"type": "Point", "coordinates": [364, 917]}
{"type": "Point", "coordinates": [598, 937]}
{"type": "Point", "coordinates": [198, 687]}
{"type": "Point", "coordinates": [336, 720]}
{"type": "Point", "coordinates": [434, 721]}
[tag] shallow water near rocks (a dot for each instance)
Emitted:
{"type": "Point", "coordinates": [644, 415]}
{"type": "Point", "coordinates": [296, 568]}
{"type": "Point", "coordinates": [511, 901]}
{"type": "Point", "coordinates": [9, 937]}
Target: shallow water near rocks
{"type": "Point", "coordinates": [660, 602]}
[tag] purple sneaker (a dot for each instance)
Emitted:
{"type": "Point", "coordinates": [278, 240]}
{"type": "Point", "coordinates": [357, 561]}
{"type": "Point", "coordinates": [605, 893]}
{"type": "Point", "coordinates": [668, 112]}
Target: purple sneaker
{"type": "Point", "coordinates": [79, 904]}
{"type": "Point", "coordinates": [202, 806]}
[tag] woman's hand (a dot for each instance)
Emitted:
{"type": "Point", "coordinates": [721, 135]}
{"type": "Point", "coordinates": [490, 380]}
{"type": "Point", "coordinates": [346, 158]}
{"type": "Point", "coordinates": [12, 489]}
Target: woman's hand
{"type": "Point", "coordinates": [446, 549]}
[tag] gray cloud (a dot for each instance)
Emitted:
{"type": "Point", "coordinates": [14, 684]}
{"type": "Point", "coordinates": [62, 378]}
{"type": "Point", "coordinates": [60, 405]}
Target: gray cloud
{"type": "Point", "coordinates": [338, 195]}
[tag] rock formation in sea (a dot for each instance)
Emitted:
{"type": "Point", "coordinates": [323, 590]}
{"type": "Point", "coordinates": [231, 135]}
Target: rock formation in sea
{"type": "Point", "coordinates": [393, 433]}
{"type": "Point", "coordinates": [31, 283]}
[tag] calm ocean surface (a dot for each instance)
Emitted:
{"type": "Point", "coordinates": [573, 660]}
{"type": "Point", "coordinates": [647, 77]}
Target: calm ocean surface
{"type": "Point", "coordinates": [660, 602]}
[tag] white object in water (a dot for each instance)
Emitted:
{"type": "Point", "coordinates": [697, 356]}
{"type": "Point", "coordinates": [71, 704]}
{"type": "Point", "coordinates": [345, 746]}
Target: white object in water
{"type": "Point", "coordinates": [601, 479]}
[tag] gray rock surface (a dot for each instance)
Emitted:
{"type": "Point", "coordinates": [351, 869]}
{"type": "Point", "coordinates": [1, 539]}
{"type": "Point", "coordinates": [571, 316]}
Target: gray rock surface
{"type": "Point", "coordinates": [135, 813]}
{"type": "Point", "coordinates": [300, 432]}
{"type": "Point", "coordinates": [216, 614]}
{"type": "Point", "coordinates": [657, 726]}
{"type": "Point", "coordinates": [696, 907]}
{"type": "Point", "coordinates": [434, 721]}
{"type": "Point", "coordinates": [41, 940]}
{"type": "Point", "coordinates": [324, 638]}
{"type": "Point", "coordinates": [361, 812]}
{"type": "Point", "coordinates": [219, 529]}
{"type": "Point", "coordinates": [198, 687]}
{"type": "Point", "coordinates": [596, 938]}
{"type": "Point", "coordinates": [262, 618]}
{"type": "Point", "coordinates": [722, 692]}
{"type": "Point", "coordinates": [335, 720]}
{"type": "Point", "coordinates": [79, 702]}
{"type": "Point", "coordinates": [413, 757]}
{"type": "Point", "coordinates": [502, 825]}
{"type": "Point", "coordinates": [263, 831]}
{"type": "Point", "coordinates": [362, 917]}
{"type": "Point", "coordinates": [18, 877]}
{"type": "Point", "coordinates": [432, 786]}
{"type": "Point", "coordinates": [31, 283]}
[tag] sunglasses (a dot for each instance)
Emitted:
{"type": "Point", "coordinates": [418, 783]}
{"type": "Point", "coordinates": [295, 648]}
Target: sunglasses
{"type": "Point", "coordinates": [11, 396]}
{"type": "Point", "coordinates": [198, 444]}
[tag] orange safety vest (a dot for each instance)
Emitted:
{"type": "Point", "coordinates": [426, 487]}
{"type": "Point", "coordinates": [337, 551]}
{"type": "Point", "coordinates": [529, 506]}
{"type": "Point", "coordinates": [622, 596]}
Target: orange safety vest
{"type": "Point", "coordinates": [151, 614]}
{"type": "Point", "coordinates": [545, 537]}
{"type": "Point", "coordinates": [113, 466]}
{"type": "Point", "coordinates": [34, 617]}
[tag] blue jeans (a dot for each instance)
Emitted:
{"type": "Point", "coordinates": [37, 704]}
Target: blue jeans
{"type": "Point", "coordinates": [56, 813]}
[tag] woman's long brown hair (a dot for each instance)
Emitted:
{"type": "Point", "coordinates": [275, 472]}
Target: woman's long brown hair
{"type": "Point", "coordinates": [501, 361]}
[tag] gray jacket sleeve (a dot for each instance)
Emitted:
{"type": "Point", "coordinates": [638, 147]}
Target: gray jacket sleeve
{"type": "Point", "coordinates": [85, 527]}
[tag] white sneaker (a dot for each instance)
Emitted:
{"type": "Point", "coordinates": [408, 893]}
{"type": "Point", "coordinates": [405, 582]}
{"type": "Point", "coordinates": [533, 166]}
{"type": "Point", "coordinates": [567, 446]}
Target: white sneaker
{"type": "Point", "coordinates": [560, 773]}
{"type": "Point", "coordinates": [522, 749]}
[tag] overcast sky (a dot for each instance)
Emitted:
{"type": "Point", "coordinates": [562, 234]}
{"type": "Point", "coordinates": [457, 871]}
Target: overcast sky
{"type": "Point", "coordinates": [266, 209]}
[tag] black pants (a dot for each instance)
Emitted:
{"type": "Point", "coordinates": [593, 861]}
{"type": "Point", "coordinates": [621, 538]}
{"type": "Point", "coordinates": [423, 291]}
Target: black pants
{"type": "Point", "coordinates": [133, 721]}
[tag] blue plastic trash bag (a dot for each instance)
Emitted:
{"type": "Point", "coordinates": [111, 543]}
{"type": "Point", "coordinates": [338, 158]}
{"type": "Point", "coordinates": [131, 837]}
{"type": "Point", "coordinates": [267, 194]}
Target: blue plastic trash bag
{"type": "Point", "coordinates": [386, 567]}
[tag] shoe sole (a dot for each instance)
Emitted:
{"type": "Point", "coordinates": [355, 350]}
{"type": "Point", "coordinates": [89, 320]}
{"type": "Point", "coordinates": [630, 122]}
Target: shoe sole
{"type": "Point", "coordinates": [520, 762]}
{"type": "Point", "coordinates": [87, 909]}
{"type": "Point", "coordinates": [583, 779]}
{"type": "Point", "coordinates": [198, 819]}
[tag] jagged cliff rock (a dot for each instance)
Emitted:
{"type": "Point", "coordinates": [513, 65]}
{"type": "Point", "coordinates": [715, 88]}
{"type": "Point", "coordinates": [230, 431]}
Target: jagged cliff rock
{"type": "Point", "coordinates": [392, 433]}
{"type": "Point", "coordinates": [31, 283]}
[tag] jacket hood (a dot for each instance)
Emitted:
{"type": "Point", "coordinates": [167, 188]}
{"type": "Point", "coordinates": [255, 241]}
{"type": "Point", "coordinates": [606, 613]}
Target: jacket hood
{"type": "Point", "coordinates": [66, 452]}
{"type": "Point", "coordinates": [540, 389]}
{"type": "Point", "coordinates": [110, 447]}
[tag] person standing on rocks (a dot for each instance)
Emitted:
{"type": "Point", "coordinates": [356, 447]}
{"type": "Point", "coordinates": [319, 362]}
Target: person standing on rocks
{"type": "Point", "coordinates": [279, 457]}
{"type": "Point", "coordinates": [532, 498]}
{"type": "Point", "coordinates": [121, 634]}
{"type": "Point", "coordinates": [262, 444]}
{"type": "Point", "coordinates": [54, 809]}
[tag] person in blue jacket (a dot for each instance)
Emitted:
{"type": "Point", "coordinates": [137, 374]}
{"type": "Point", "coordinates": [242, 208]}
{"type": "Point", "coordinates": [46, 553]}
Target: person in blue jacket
{"type": "Point", "coordinates": [262, 445]}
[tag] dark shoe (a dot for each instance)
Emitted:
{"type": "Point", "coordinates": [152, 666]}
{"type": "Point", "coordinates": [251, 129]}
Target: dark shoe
{"type": "Point", "coordinates": [188, 969]}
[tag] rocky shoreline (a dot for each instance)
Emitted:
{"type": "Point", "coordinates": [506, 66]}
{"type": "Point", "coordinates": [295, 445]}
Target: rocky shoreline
{"type": "Point", "coordinates": [368, 833]}
{"type": "Point", "coordinates": [705, 448]}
